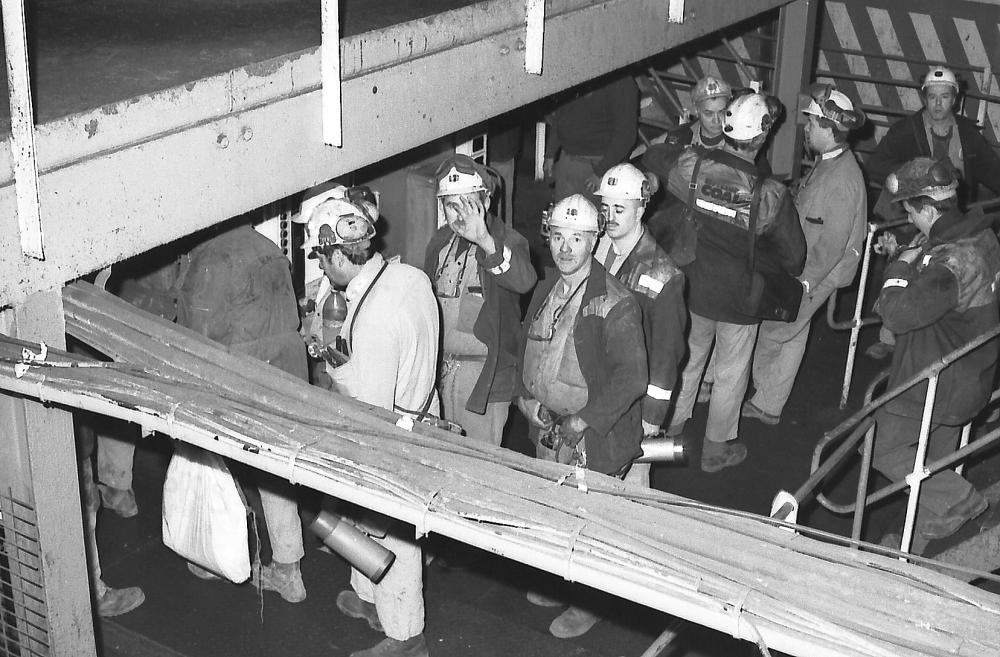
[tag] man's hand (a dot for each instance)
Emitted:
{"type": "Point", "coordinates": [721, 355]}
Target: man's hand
{"type": "Point", "coordinates": [909, 255]}
{"type": "Point", "coordinates": [593, 183]}
{"type": "Point", "coordinates": [471, 223]}
{"type": "Point", "coordinates": [536, 414]}
{"type": "Point", "coordinates": [649, 429]}
{"type": "Point", "coordinates": [571, 429]}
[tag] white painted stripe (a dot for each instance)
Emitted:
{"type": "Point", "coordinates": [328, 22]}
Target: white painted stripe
{"type": "Point", "coordinates": [889, 42]}
{"type": "Point", "coordinates": [975, 51]}
{"type": "Point", "coordinates": [717, 209]}
{"type": "Point", "coordinates": [856, 64]}
{"type": "Point", "coordinates": [895, 282]}
{"type": "Point", "coordinates": [824, 65]}
{"type": "Point", "coordinates": [927, 36]}
{"type": "Point", "coordinates": [534, 36]}
{"type": "Point", "coordinates": [657, 393]}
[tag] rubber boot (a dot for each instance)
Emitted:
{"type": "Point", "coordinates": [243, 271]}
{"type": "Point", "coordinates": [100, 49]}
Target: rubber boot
{"type": "Point", "coordinates": [284, 579]}
{"type": "Point", "coordinates": [413, 647]}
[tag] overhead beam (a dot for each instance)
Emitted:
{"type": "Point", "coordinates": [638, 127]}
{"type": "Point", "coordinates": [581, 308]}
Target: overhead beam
{"type": "Point", "coordinates": [128, 177]}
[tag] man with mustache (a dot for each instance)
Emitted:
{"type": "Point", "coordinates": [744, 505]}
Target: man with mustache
{"type": "Point", "coordinates": [630, 253]}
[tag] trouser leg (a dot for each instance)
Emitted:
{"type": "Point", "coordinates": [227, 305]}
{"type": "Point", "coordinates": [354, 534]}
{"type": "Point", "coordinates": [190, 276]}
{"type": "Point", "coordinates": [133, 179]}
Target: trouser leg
{"type": "Point", "coordinates": [896, 448]}
{"type": "Point", "coordinates": [399, 597]}
{"type": "Point", "coordinates": [779, 352]}
{"type": "Point", "coordinates": [734, 349]}
{"type": "Point", "coordinates": [115, 456]}
{"type": "Point", "coordinates": [700, 339]}
{"type": "Point", "coordinates": [571, 173]}
{"type": "Point", "coordinates": [456, 383]}
{"type": "Point", "coordinates": [638, 474]}
{"type": "Point", "coordinates": [281, 513]}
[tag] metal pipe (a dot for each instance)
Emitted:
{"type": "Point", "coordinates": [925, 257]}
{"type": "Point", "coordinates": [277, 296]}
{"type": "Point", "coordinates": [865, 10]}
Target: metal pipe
{"type": "Point", "coordinates": [978, 95]}
{"type": "Point", "coordinates": [963, 442]}
{"type": "Point", "coordinates": [676, 598]}
{"type": "Point", "coordinates": [739, 60]}
{"type": "Point", "coordinates": [955, 66]}
{"type": "Point", "coordinates": [820, 472]}
{"type": "Point", "coordinates": [919, 473]}
{"type": "Point", "coordinates": [859, 499]}
{"type": "Point", "coordinates": [664, 93]}
{"type": "Point", "coordinates": [856, 324]}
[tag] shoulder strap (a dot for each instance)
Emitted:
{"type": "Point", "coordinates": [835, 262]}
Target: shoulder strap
{"type": "Point", "coordinates": [361, 302]}
{"type": "Point", "coordinates": [752, 224]}
{"type": "Point", "coordinates": [693, 183]}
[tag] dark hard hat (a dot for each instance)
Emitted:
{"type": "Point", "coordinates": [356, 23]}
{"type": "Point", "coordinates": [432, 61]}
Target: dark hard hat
{"type": "Point", "coordinates": [923, 176]}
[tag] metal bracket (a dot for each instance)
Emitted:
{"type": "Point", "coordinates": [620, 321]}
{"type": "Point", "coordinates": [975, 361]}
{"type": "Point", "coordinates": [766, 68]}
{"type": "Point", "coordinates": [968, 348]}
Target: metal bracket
{"type": "Point", "coordinates": [333, 117]}
{"type": "Point", "coordinates": [534, 38]}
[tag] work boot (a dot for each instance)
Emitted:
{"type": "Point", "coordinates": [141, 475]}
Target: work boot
{"type": "Point", "coordinates": [350, 604]}
{"type": "Point", "coordinates": [116, 602]}
{"type": "Point", "coordinates": [718, 456]}
{"type": "Point", "coordinates": [413, 647]}
{"type": "Point", "coordinates": [572, 623]}
{"type": "Point", "coordinates": [704, 392]}
{"type": "Point", "coordinates": [540, 600]}
{"type": "Point", "coordinates": [201, 573]}
{"type": "Point", "coordinates": [282, 578]}
{"type": "Point", "coordinates": [968, 508]}
{"type": "Point", "coordinates": [880, 350]}
{"type": "Point", "coordinates": [119, 500]}
{"type": "Point", "coordinates": [751, 410]}
{"type": "Point", "coordinates": [675, 429]}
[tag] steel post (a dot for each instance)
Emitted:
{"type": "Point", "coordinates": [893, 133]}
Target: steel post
{"type": "Point", "coordinates": [919, 469]}
{"type": "Point", "coordinates": [796, 37]}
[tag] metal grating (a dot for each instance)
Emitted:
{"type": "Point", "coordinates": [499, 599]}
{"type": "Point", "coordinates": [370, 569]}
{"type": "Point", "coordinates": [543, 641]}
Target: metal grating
{"type": "Point", "coordinates": [23, 618]}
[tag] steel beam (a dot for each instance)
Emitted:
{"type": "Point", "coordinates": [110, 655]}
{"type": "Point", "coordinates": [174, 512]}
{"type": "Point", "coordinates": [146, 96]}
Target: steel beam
{"type": "Point", "coordinates": [796, 38]}
{"type": "Point", "coordinates": [41, 438]}
{"type": "Point", "coordinates": [127, 177]}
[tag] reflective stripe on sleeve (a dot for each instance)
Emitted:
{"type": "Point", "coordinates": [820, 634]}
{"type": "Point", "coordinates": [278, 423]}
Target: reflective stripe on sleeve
{"type": "Point", "coordinates": [657, 392]}
{"type": "Point", "coordinates": [716, 208]}
{"type": "Point", "coordinates": [504, 265]}
{"type": "Point", "coordinates": [895, 282]}
{"type": "Point", "coordinates": [650, 283]}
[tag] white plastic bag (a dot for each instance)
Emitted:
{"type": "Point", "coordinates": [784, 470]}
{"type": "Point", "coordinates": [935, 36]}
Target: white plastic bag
{"type": "Point", "coordinates": [204, 516]}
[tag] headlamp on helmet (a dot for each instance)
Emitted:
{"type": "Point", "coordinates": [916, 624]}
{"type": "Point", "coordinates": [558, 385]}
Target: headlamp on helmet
{"type": "Point", "coordinates": [828, 103]}
{"type": "Point", "coordinates": [710, 87]}
{"type": "Point", "coordinates": [626, 182]}
{"type": "Point", "coordinates": [339, 222]}
{"type": "Point", "coordinates": [940, 75]}
{"type": "Point", "coordinates": [749, 116]}
{"type": "Point", "coordinates": [574, 212]}
{"type": "Point", "coordinates": [923, 176]}
{"type": "Point", "coordinates": [460, 174]}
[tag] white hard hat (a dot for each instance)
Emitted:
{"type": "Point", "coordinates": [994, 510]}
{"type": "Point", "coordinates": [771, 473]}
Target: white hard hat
{"type": "Point", "coordinates": [828, 103]}
{"type": "Point", "coordinates": [338, 221]}
{"type": "Point", "coordinates": [747, 117]}
{"type": "Point", "coordinates": [460, 174]}
{"type": "Point", "coordinates": [625, 181]}
{"type": "Point", "coordinates": [456, 182]}
{"type": "Point", "coordinates": [940, 75]}
{"type": "Point", "coordinates": [710, 87]}
{"type": "Point", "coordinates": [574, 212]}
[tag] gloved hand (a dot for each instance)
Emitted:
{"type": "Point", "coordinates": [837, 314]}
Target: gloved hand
{"type": "Point", "coordinates": [571, 429]}
{"type": "Point", "coordinates": [536, 414]}
{"type": "Point", "coordinates": [649, 429]}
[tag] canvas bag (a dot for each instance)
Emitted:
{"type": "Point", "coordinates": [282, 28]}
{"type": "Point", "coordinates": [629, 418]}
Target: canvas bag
{"type": "Point", "coordinates": [204, 514]}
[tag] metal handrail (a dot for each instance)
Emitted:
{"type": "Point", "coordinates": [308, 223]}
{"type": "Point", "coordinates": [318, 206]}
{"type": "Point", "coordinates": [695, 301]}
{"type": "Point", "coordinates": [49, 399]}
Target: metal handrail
{"type": "Point", "coordinates": [861, 424]}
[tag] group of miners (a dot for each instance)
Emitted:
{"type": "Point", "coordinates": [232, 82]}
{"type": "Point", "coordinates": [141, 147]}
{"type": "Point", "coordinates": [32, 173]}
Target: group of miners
{"type": "Point", "coordinates": [640, 318]}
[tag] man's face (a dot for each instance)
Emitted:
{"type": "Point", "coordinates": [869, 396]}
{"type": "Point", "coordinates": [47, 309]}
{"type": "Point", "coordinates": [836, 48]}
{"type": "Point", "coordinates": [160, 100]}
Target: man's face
{"type": "Point", "coordinates": [622, 216]}
{"type": "Point", "coordinates": [333, 266]}
{"type": "Point", "coordinates": [939, 99]}
{"type": "Point", "coordinates": [453, 208]}
{"type": "Point", "coordinates": [711, 112]}
{"type": "Point", "coordinates": [571, 249]}
{"type": "Point", "coordinates": [923, 219]}
{"type": "Point", "coordinates": [818, 139]}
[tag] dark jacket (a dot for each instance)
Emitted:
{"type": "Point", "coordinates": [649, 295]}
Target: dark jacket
{"type": "Point", "coordinates": [505, 276]}
{"type": "Point", "coordinates": [610, 348]}
{"type": "Point", "coordinates": [658, 286]}
{"type": "Point", "coordinates": [943, 300]}
{"type": "Point", "coordinates": [719, 201]}
{"type": "Point", "coordinates": [907, 139]}
{"type": "Point", "coordinates": [236, 288]}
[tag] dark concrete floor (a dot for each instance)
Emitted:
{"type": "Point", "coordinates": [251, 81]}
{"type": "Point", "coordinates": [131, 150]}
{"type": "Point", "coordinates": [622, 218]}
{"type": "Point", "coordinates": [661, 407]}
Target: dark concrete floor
{"type": "Point", "coordinates": [482, 610]}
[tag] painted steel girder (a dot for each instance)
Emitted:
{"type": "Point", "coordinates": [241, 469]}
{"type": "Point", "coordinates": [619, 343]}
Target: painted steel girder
{"type": "Point", "coordinates": [127, 177]}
